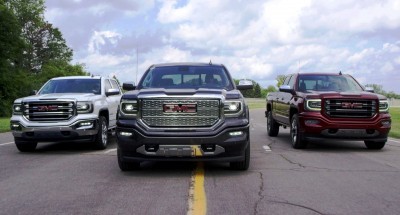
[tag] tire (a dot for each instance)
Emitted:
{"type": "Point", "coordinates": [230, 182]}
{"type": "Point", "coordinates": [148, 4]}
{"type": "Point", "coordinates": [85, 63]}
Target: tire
{"type": "Point", "coordinates": [374, 145]}
{"type": "Point", "coordinates": [242, 165]}
{"type": "Point", "coordinates": [297, 139]}
{"type": "Point", "coordinates": [25, 146]}
{"type": "Point", "coordinates": [272, 125]}
{"type": "Point", "coordinates": [101, 138]}
{"type": "Point", "coordinates": [124, 165]}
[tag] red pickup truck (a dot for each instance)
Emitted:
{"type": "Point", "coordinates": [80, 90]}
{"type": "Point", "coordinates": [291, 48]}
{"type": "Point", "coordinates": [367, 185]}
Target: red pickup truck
{"type": "Point", "coordinates": [328, 106]}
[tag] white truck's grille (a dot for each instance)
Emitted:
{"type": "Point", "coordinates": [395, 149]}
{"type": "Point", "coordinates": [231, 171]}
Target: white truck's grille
{"type": "Point", "coordinates": [48, 110]}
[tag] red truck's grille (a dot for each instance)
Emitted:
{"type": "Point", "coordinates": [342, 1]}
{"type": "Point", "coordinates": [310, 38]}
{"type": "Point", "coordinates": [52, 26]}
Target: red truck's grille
{"type": "Point", "coordinates": [48, 110]}
{"type": "Point", "coordinates": [346, 108]}
{"type": "Point", "coordinates": [180, 112]}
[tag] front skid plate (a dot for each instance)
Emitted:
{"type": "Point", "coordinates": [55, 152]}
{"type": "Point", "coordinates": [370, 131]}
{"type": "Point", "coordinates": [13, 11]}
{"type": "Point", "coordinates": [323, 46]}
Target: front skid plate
{"type": "Point", "coordinates": [180, 151]}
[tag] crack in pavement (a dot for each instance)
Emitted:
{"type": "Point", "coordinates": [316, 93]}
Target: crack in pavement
{"type": "Point", "coordinates": [260, 193]}
{"type": "Point", "coordinates": [297, 205]}
{"type": "Point", "coordinates": [292, 162]}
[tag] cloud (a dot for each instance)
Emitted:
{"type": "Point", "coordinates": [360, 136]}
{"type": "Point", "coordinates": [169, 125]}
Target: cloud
{"type": "Point", "coordinates": [254, 39]}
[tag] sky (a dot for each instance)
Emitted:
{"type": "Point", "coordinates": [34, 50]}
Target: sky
{"type": "Point", "coordinates": [254, 39]}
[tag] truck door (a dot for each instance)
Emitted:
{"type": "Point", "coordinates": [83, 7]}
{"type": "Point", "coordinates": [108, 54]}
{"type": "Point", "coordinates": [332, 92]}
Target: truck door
{"type": "Point", "coordinates": [113, 101]}
{"type": "Point", "coordinates": [286, 99]}
{"type": "Point", "coordinates": [280, 107]}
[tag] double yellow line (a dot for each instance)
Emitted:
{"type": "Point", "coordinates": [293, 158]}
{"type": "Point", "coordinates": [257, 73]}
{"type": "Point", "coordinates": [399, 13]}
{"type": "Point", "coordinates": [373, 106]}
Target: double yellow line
{"type": "Point", "coordinates": [197, 195]}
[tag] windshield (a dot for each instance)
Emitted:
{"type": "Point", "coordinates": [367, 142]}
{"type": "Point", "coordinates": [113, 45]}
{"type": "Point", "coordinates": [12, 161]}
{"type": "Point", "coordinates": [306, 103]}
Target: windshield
{"type": "Point", "coordinates": [72, 86]}
{"type": "Point", "coordinates": [187, 77]}
{"type": "Point", "coordinates": [338, 83]}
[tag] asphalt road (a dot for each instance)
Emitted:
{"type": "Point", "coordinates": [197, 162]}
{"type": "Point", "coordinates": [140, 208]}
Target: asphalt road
{"type": "Point", "coordinates": [327, 178]}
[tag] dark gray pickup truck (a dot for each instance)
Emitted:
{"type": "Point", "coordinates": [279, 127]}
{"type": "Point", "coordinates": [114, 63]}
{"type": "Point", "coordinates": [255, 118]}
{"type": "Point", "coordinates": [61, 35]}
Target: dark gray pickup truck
{"type": "Point", "coordinates": [184, 112]}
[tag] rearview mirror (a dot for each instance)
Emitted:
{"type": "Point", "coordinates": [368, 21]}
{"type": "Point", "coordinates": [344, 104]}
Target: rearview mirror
{"type": "Point", "coordinates": [369, 89]}
{"type": "Point", "coordinates": [111, 92]}
{"type": "Point", "coordinates": [245, 85]}
{"type": "Point", "coordinates": [286, 89]}
{"type": "Point", "coordinates": [129, 86]}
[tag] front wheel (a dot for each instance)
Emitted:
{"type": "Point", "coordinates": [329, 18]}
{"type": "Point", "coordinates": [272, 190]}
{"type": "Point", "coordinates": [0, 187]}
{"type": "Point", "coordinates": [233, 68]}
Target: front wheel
{"type": "Point", "coordinates": [124, 165]}
{"type": "Point", "coordinates": [272, 125]}
{"type": "Point", "coordinates": [244, 164]}
{"type": "Point", "coordinates": [101, 137]}
{"type": "Point", "coordinates": [298, 141]}
{"type": "Point", "coordinates": [374, 145]}
{"type": "Point", "coordinates": [25, 146]}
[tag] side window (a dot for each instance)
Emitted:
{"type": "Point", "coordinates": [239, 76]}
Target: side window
{"type": "Point", "coordinates": [107, 84]}
{"type": "Point", "coordinates": [292, 81]}
{"type": "Point", "coordinates": [286, 82]}
{"type": "Point", "coordinates": [115, 84]}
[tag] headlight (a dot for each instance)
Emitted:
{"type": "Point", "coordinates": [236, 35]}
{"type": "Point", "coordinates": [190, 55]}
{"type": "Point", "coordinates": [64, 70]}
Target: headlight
{"type": "Point", "coordinates": [383, 106]}
{"type": "Point", "coordinates": [84, 107]}
{"type": "Point", "coordinates": [232, 107]}
{"type": "Point", "coordinates": [129, 107]}
{"type": "Point", "coordinates": [17, 109]}
{"type": "Point", "coordinates": [313, 104]}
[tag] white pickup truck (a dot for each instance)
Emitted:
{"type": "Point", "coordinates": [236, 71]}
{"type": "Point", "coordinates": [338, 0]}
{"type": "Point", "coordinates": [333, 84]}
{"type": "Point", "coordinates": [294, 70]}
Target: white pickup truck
{"type": "Point", "coordinates": [65, 109]}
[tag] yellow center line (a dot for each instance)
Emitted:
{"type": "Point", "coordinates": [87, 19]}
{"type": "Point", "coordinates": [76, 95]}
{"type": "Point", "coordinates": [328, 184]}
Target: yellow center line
{"type": "Point", "coordinates": [197, 195]}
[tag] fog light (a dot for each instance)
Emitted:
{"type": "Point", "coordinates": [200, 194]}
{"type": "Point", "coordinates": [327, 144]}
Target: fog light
{"type": "Point", "coordinates": [126, 134]}
{"type": "Point", "coordinates": [311, 122]}
{"type": "Point", "coordinates": [236, 133]}
{"type": "Point", "coordinates": [386, 123]}
{"type": "Point", "coordinates": [15, 126]}
{"type": "Point", "coordinates": [85, 124]}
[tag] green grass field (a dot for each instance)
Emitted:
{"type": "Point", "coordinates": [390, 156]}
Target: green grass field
{"type": "Point", "coordinates": [395, 113]}
{"type": "Point", "coordinates": [4, 124]}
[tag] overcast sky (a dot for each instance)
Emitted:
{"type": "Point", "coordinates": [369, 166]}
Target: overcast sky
{"type": "Point", "coordinates": [257, 39]}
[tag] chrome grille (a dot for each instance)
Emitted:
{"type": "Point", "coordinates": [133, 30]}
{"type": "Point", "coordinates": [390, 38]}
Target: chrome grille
{"type": "Point", "coordinates": [48, 110]}
{"type": "Point", "coordinates": [206, 115]}
{"type": "Point", "coordinates": [346, 108]}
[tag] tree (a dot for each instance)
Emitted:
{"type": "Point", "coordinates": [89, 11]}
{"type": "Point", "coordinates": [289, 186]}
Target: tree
{"type": "Point", "coordinates": [44, 42]}
{"type": "Point", "coordinates": [11, 54]}
{"type": "Point", "coordinates": [280, 79]}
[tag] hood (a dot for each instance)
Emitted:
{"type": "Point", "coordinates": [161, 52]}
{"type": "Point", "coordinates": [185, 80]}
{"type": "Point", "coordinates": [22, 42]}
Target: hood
{"type": "Point", "coordinates": [334, 94]}
{"type": "Point", "coordinates": [197, 93]}
{"type": "Point", "coordinates": [59, 96]}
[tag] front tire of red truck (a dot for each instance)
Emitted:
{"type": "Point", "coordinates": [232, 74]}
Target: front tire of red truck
{"type": "Point", "coordinates": [374, 145]}
{"type": "Point", "coordinates": [272, 125]}
{"type": "Point", "coordinates": [298, 141]}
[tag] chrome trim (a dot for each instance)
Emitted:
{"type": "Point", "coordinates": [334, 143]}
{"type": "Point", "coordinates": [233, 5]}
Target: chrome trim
{"type": "Point", "coordinates": [180, 151]}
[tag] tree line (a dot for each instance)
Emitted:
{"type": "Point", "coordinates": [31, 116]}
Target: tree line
{"type": "Point", "coordinates": [32, 51]}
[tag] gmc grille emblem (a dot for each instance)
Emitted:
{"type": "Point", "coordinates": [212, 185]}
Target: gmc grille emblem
{"type": "Point", "coordinates": [43, 108]}
{"type": "Point", "coordinates": [349, 105]}
{"type": "Point", "coordinates": [179, 108]}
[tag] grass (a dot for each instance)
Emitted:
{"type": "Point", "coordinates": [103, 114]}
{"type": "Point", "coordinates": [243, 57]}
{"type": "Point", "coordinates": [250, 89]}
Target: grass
{"type": "Point", "coordinates": [395, 113]}
{"type": "Point", "coordinates": [4, 124]}
{"type": "Point", "coordinates": [254, 103]}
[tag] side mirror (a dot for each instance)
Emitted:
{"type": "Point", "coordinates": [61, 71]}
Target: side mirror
{"type": "Point", "coordinates": [128, 86]}
{"type": "Point", "coordinates": [245, 85]}
{"type": "Point", "coordinates": [286, 89]}
{"type": "Point", "coordinates": [112, 92]}
{"type": "Point", "coordinates": [33, 92]}
{"type": "Point", "coordinates": [369, 89]}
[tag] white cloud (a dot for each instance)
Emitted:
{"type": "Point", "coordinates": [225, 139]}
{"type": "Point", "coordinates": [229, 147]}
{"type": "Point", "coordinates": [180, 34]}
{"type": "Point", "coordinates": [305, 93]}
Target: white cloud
{"type": "Point", "coordinates": [357, 57]}
{"type": "Point", "coordinates": [100, 38]}
{"type": "Point", "coordinates": [255, 39]}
